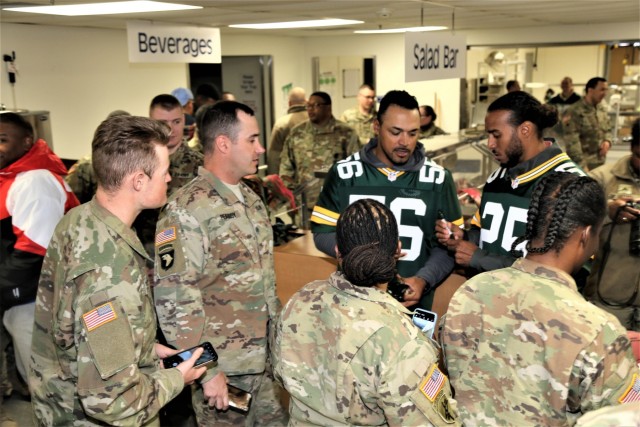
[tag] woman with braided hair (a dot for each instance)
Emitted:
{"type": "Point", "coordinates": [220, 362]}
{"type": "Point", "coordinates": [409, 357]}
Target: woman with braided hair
{"type": "Point", "coordinates": [346, 351]}
{"type": "Point", "coordinates": [521, 345]}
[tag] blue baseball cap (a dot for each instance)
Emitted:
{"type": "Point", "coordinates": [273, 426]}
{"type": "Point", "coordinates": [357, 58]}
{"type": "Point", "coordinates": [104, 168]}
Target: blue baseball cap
{"type": "Point", "coordinates": [183, 95]}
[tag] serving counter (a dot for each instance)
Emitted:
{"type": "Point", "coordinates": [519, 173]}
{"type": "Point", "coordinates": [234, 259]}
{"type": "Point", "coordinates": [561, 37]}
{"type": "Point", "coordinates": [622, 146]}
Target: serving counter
{"type": "Point", "coordinates": [297, 263]}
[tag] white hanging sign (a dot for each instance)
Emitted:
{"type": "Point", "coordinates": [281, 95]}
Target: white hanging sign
{"type": "Point", "coordinates": [150, 42]}
{"type": "Point", "coordinates": [434, 56]}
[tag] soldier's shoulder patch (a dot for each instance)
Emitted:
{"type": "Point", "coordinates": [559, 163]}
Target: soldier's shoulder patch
{"type": "Point", "coordinates": [169, 259]}
{"type": "Point", "coordinates": [432, 383]}
{"type": "Point", "coordinates": [632, 393]}
{"type": "Point", "coordinates": [167, 235]}
{"type": "Point", "coordinates": [106, 324]}
{"type": "Point", "coordinates": [434, 387]}
{"type": "Point", "coordinates": [99, 316]}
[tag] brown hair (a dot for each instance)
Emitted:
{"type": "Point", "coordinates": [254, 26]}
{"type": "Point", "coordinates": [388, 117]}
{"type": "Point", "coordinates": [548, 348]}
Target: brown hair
{"type": "Point", "coordinates": [123, 145]}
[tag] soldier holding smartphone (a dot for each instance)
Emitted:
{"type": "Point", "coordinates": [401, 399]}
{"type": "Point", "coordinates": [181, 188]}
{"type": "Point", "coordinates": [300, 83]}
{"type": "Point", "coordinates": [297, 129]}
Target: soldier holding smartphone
{"type": "Point", "coordinates": [94, 355]}
{"type": "Point", "coordinates": [214, 270]}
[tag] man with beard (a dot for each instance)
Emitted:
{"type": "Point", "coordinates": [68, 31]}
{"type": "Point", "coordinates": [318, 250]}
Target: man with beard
{"type": "Point", "coordinates": [515, 123]}
{"type": "Point", "coordinates": [392, 169]}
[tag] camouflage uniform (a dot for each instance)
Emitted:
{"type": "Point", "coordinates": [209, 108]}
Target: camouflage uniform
{"type": "Point", "coordinates": [585, 127]}
{"type": "Point", "coordinates": [620, 276]}
{"type": "Point", "coordinates": [612, 416]}
{"type": "Point", "coordinates": [215, 282]}
{"type": "Point", "coordinates": [82, 180]}
{"type": "Point", "coordinates": [310, 148]}
{"type": "Point", "coordinates": [431, 131]}
{"type": "Point", "coordinates": [183, 167]}
{"type": "Point", "coordinates": [523, 347]}
{"type": "Point", "coordinates": [362, 123]}
{"type": "Point", "coordinates": [93, 351]}
{"type": "Point", "coordinates": [349, 355]}
{"type": "Point", "coordinates": [295, 115]}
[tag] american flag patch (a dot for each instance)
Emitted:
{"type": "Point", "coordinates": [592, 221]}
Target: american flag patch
{"type": "Point", "coordinates": [166, 235]}
{"type": "Point", "coordinates": [432, 383]}
{"type": "Point", "coordinates": [633, 392]}
{"type": "Point", "coordinates": [99, 316]}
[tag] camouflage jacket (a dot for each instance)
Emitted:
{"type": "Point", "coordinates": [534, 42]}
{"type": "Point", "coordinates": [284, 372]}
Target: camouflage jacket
{"type": "Point", "coordinates": [523, 347]}
{"type": "Point", "coordinates": [627, 414]}
{"type": "Point", "coordinates": [82, 180]}
{"type": "Point", "coordinates": [362, 123]}
{"type": "Point", "coordinates": [214, 274]}
{"type": "Point", "coordinates": [310, 148]}
{"type": "Point", "coordinates": [585, 127]}
{"type": "Point", "coordinates": [431, 131]}
{"type": "Point", "coordinates": [349, 355]}
{"type": "Point", "coordinates": [281, 128]}
{"type": "Point", "coordinates": [93, 352]}
{"type": "Point", "coordinates": [183, 167]}
{"type": "Point", "coordinates": [620, 276]}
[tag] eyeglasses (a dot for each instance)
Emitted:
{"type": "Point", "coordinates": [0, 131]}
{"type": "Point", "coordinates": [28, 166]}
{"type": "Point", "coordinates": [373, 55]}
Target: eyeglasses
{"type": "Point", "coordinates": [313, 106]}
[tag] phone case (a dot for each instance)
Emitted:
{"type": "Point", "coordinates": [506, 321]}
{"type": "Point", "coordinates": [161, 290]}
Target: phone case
{"type": "Point", "coordinates": [238, 398]}
{"type": "Point", "coordinates": [425, 320]}
{"type": "Point", "coordinates": [208, 356]}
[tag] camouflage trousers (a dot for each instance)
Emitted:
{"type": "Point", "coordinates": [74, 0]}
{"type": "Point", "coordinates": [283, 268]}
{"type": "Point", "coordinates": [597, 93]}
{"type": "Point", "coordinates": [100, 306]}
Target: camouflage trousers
{"type": "Point", "coordinates": [266, 407]}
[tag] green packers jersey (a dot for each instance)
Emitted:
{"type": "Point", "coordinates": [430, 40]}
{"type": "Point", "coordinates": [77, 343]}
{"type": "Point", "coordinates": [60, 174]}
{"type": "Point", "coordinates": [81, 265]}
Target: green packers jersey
{"type": "Point", "coordinates": [506, 196]}
{"type": "Point", "coordinates": [414, 197]}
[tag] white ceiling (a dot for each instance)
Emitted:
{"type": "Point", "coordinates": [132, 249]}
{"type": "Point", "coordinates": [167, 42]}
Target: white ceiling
{"type": "Point", "coordinates": [460, 14]}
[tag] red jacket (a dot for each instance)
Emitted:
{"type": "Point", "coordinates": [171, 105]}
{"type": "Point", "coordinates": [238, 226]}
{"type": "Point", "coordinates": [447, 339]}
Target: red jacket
{"type": "Point", "coordinates": [33, 198]}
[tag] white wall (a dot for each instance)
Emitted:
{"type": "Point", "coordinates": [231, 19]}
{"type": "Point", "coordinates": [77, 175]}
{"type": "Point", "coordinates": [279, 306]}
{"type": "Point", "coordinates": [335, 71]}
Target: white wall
{"type": "Point", "coordinates": [553, 64]}
{"type": "Point", "coordinates": [81, 74]}
{"type": "Point", "coordinates": [388, 51]}
{"type": "Point", "coordinates": [578, 62]}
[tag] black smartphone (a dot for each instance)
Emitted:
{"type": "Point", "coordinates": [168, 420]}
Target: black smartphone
{"type": "Point", "coordinates": [239, 399]}
{"type": "Point", "coordinates": [208, 356]}
{"type": "Point", "coordinates": [397, 289]}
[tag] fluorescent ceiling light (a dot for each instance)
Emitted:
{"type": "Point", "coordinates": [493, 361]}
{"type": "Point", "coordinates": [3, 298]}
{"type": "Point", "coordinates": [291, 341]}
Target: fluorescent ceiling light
{"type": "Point", "coordinates": [298, 24]}
{"type": "Point", "coordinates": [103, 8]}
{"type": "Point", "coordinates": [401, 30]}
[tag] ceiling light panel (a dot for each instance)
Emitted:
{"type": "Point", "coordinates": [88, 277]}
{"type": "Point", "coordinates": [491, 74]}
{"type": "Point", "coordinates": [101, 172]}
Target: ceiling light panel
{"type": "Point", "coordinates": [111, 8]}
{"type": "Point", "coordinates": [298, 24]}
{"type": "Point", "coordinates": [401, 30]}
